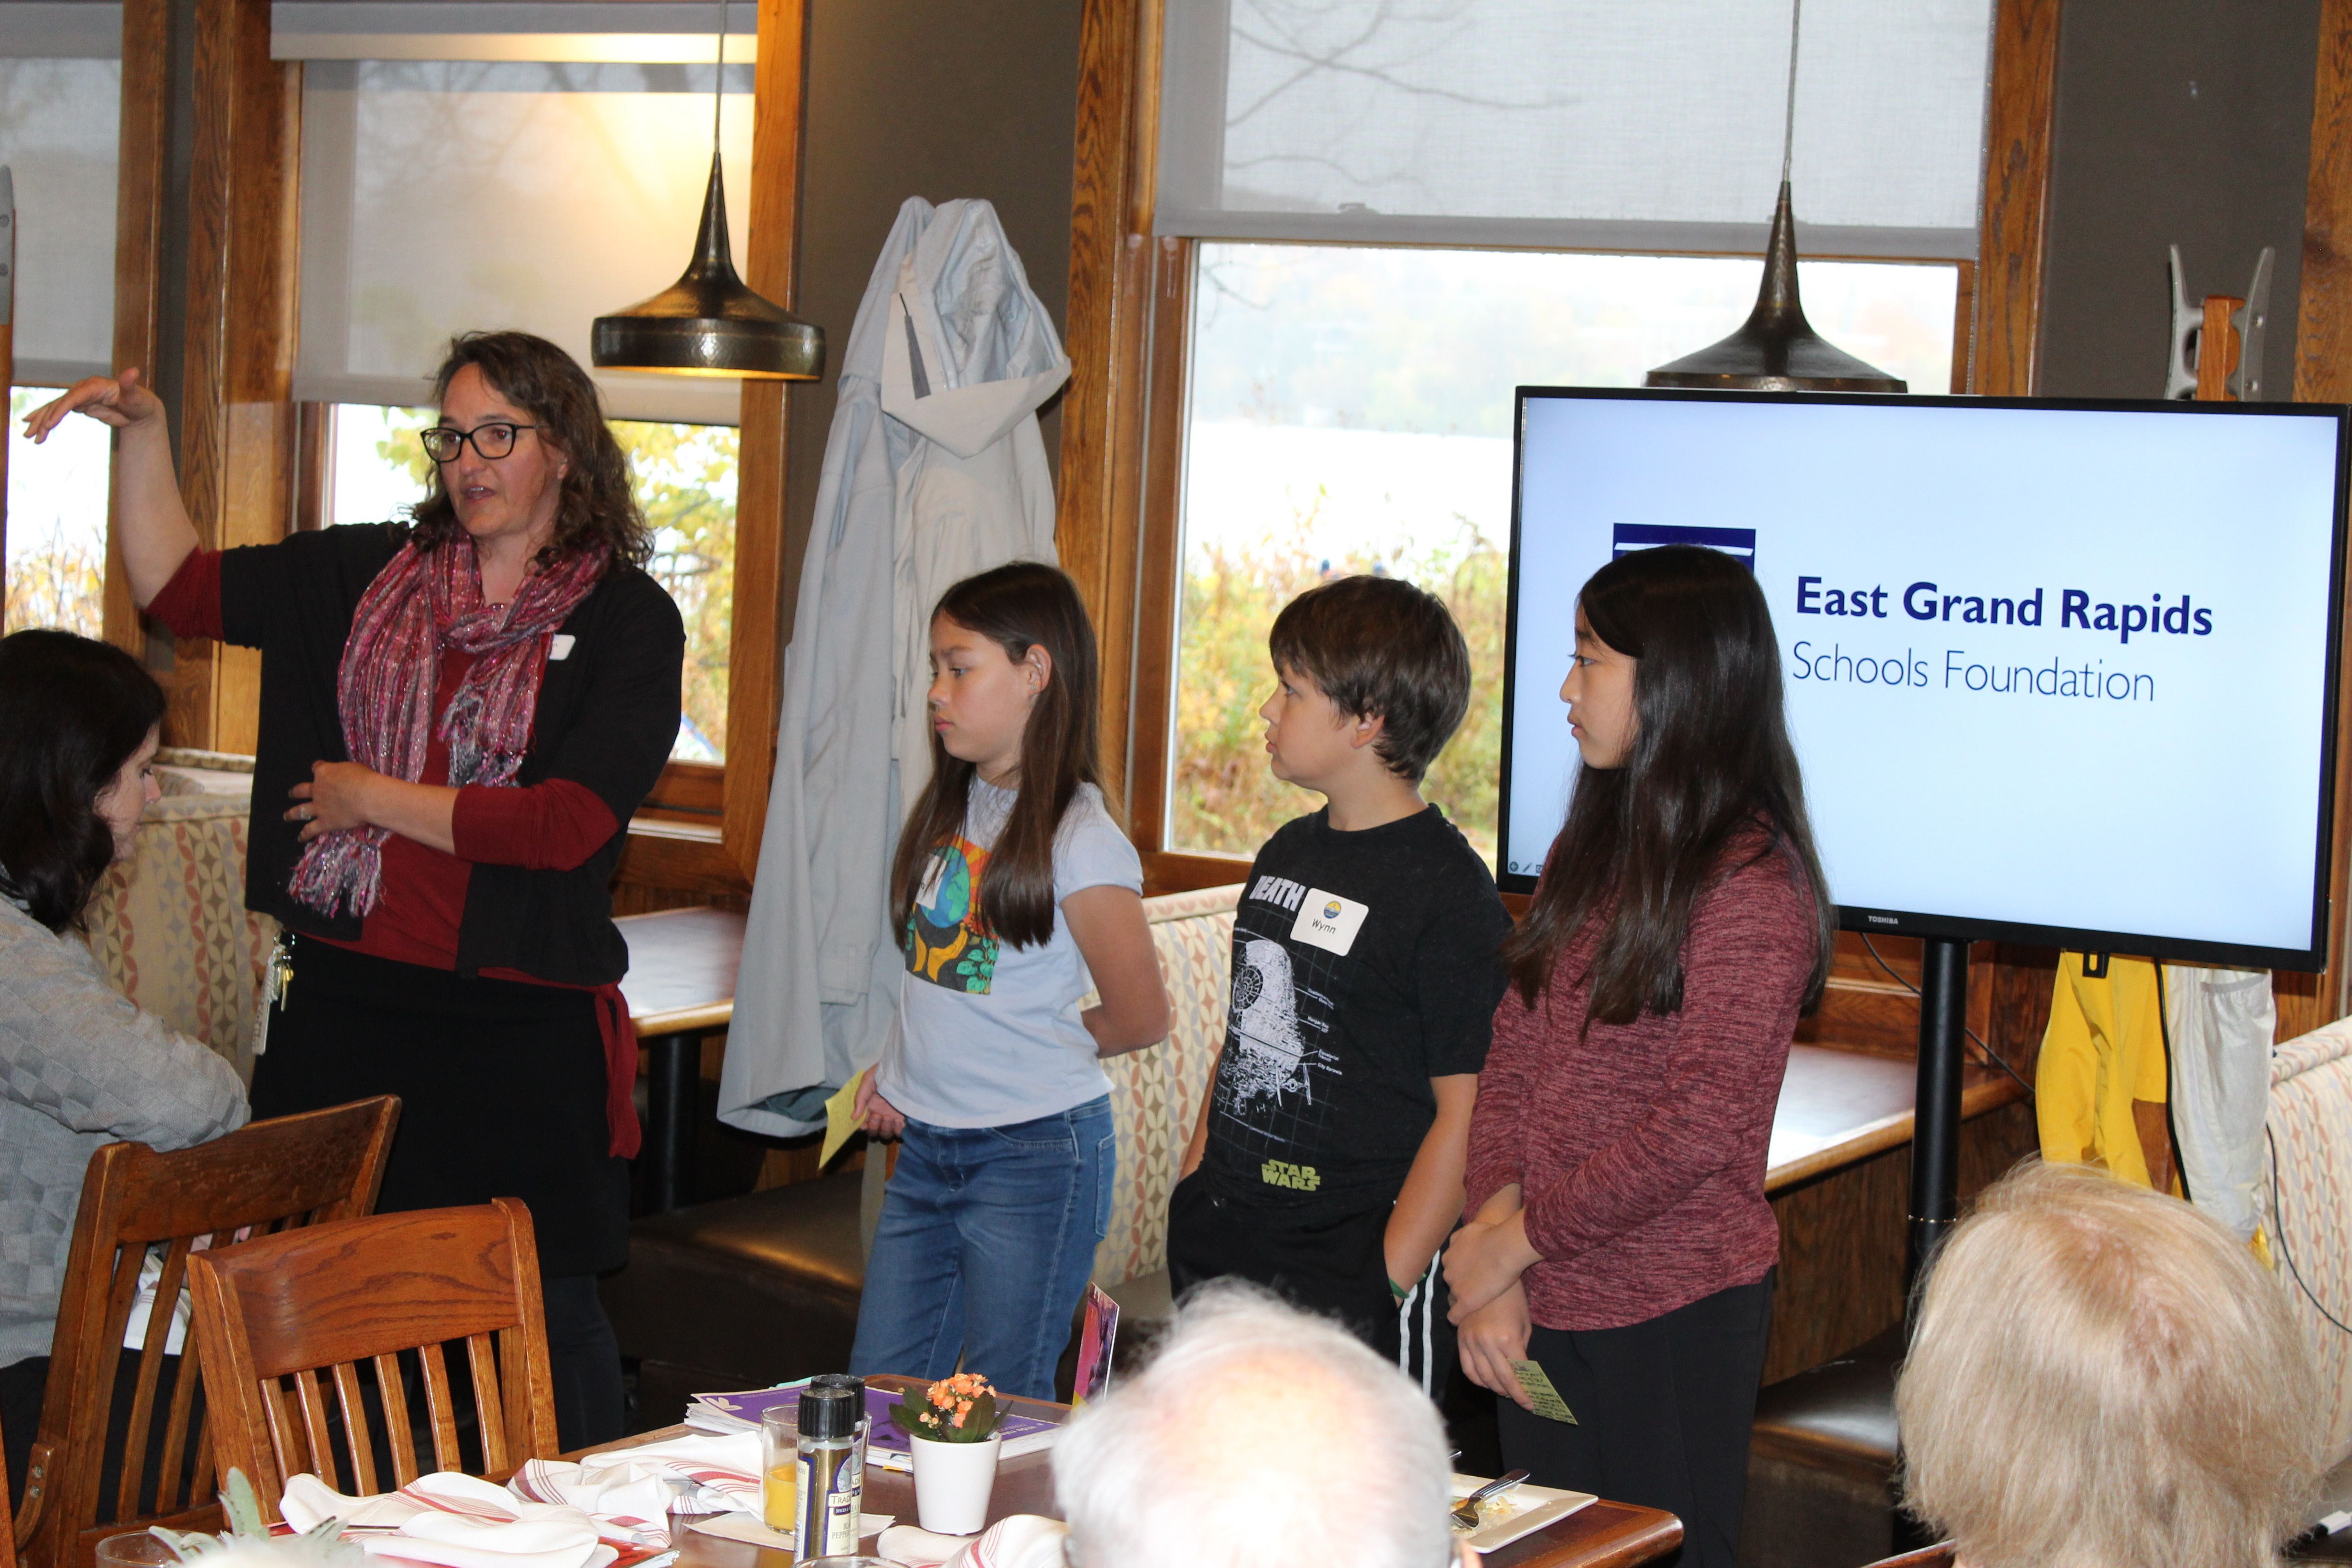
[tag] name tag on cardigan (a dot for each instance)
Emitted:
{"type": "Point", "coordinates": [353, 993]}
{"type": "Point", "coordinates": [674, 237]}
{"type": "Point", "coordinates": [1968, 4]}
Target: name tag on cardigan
{"type": "Point", "coordinates": [560, 644]}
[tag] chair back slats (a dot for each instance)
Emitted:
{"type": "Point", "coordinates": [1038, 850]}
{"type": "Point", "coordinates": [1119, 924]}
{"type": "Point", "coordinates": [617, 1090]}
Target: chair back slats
{"type": "Point", "coordinates": [318, 1433]}
{"type": "Point", "coordinates": [402, 1438]}
{"type": "Point", "coordinates": [121, 1442]}
{"type": "Point", "coordinates": [440, 1409]}
{"type": "Point", "coordinates": [482, 1366]}
{"type": "Point", "coordinates": [279, 1318]}
{"type": "Point", "coordinates": [351, 1403]}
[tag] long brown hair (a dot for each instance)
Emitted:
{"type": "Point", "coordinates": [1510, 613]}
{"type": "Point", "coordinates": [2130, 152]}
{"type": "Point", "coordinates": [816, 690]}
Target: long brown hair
{"type": "Point", "coordinates": [1711, 758]}
{"type": "Point", "coordinates": [1020, 607]}
{"type": "Point", "coordinates": [548, 384]}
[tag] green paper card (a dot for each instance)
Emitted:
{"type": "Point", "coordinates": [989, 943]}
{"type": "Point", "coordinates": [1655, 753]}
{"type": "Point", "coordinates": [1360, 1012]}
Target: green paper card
{"type": "Point", "coordinates": [1538, 1383]}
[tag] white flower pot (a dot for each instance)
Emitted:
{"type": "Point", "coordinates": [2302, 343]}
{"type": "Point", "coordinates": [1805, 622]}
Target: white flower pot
{"type": "Point", "coordinates": [953, 1481]}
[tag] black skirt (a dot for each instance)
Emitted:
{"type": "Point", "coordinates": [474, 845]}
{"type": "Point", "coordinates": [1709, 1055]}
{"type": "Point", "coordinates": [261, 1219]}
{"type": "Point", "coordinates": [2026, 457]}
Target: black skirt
{"type": "Point", "coordinates": [501, 1087]}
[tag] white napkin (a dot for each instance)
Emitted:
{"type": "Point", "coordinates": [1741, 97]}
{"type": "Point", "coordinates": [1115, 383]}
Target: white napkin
{"type": "Point", "coordinates": [722, 1473]}
{"type": "Point", "coordinates": [1017, 1541]}
{"type": "Point", "coordinates": [455, 1521]}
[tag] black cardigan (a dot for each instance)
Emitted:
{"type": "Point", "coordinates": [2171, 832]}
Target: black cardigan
{"type": "Point", "coordinates": [607, 717]}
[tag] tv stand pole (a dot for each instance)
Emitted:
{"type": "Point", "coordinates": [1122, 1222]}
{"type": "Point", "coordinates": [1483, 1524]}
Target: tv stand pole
{"type": "Point", "coordinates": [1936, 1115]}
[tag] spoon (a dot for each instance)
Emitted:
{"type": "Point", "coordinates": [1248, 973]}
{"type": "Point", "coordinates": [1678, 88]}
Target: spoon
{"type": "Point", "coordinates": [1465, 1512]}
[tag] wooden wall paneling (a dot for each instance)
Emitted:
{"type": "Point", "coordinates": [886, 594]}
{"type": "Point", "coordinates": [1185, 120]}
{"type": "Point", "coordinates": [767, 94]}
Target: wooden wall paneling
{"type": "Point", "coordinates": [2015, 226]}
{"type": "Point", "coordinates": [142, 173]}
{"type": "Point", "coordinates": [2323, 374]}
{"type": "Point", "coordinates": [236, 415]}
{"type": "Point", "coordinates": [1107, 334]}
{"type": "Point", "coordinates": [1843, 1239]}
{"type": "Point", "coordinates": [1160, 566]}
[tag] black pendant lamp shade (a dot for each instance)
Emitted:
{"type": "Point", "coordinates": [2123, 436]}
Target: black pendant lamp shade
{"type": "Point", "coordinates": [710, 322]}
{"type": "Point", "coordinates": [1775, 350]}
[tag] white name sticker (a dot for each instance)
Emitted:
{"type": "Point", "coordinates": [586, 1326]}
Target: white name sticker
{"type": "Point", "coordinates": [560, 646]}
{"type": "Point", "coordinates": [1327, 920]}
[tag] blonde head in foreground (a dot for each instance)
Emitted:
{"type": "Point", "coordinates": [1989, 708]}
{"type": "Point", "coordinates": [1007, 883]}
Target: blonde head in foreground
{"type": "Point", "coordinates": [2105, 1378]}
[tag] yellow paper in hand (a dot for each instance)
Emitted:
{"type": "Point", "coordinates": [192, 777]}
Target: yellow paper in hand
{"type": "Point", "coordinates": [1538, 1383]}
{"type": "Point", "coordinates": [840, 1118]}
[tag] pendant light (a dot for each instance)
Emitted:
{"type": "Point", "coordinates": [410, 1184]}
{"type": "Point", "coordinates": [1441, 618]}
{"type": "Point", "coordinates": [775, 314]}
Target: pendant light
{"type": "Point", "coordinates": [1776, 350]}
{"type": "Point", "coordinates": [710, 322]}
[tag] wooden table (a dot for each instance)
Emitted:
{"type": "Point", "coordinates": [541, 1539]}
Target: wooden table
{"type": "Point", "coordinates": [681, 987]}
{"type": "Point", "coordinates": [1604, 1535]}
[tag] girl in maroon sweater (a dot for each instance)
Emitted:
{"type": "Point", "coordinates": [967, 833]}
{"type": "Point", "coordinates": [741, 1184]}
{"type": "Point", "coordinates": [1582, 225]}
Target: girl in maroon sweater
{"type": "Point", "coordinates": [1619, 1235]}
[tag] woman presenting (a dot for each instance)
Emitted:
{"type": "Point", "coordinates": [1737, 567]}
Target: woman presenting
{"type": "Point", "coordinates": [458, 716]}
{"type": "Point", "coordinates": [1619, 1236]}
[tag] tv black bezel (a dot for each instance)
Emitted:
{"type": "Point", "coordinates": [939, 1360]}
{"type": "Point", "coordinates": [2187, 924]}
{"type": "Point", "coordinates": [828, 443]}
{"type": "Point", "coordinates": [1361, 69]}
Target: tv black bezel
{"type": "Point", "coordinates": [1921, 923]}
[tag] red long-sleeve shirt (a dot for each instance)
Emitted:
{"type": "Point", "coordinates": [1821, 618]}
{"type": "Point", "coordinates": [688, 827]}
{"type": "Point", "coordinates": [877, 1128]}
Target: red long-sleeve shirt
{"type": "Point", "coordinates": [1640, 1148]}
{"type": "Point", "coordinates": [421, 899]}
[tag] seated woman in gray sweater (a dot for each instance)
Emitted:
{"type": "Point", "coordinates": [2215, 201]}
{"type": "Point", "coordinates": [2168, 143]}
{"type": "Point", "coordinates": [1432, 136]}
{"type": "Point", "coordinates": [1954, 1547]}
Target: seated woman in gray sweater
{"type": "Point", "coordinates": [79, 1065]}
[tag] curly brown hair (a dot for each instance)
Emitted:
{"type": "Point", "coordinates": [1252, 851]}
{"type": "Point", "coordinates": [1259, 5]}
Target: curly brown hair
{"type": "Point", "coordinates": [547, 384]}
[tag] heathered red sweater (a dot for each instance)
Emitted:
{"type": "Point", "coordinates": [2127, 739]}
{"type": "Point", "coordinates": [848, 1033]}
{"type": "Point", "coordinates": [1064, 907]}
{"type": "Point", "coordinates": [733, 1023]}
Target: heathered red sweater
{"type": "Point", "coordinates": [1639, 1147]}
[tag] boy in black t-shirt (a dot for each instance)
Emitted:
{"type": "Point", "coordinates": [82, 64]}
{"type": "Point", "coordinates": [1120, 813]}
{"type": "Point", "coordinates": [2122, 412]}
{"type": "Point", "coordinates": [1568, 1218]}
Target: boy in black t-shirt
{"type": "Point", "coordinates": [1328, 1159]}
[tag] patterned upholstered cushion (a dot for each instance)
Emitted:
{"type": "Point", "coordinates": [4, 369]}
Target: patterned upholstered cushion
{"type": "Point", "coordinates": [171, 929]}
{"type": "Point", "coordinates": [1155, 1094]}
{"type": "Point", "coordinates": [2311, 1129]}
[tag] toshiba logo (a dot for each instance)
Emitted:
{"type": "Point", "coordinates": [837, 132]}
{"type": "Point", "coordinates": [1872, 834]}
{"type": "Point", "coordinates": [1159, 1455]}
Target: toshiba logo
{"type": "Point", "coordinates": [1884, 921]}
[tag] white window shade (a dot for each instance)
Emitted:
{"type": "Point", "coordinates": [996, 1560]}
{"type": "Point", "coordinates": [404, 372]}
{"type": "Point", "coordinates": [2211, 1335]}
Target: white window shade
{"type": "Point", "coordinates": [443, 197]}
{"type": "Point", "coordinates": [60, 123]}
{"type": "Point", "coordinates": [1576, 123]}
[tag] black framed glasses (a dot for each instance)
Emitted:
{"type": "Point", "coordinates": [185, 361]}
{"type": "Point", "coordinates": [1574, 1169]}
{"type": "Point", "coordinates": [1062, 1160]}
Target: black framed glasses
{"type": "Point", "coordinates": [495, 439]}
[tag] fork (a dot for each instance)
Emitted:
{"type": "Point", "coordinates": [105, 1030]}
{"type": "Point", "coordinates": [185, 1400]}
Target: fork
{"type": "Point", "coordinates": [1465, 1512]}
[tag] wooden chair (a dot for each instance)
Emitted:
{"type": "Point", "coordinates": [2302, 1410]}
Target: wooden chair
{"type": "Point", "coordinates": [102, 1400]}
{"type": "Point", "coordinates": [283, 1320]}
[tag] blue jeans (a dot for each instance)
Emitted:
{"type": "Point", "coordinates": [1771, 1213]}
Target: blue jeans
{"type": "Point", "coordinates": [986, 1242]}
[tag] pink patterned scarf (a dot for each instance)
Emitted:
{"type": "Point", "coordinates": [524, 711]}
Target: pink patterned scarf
{"type": "Point", "coordinates": [422, 602]}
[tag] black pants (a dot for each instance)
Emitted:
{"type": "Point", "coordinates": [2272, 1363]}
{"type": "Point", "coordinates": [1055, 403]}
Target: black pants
{"type": "Point", "coordinates": [1663, 1410]}
{"type": "Point", "coordinates": [1331, 1263]}
{"type": "Point", "coordinates": [585, 1359]}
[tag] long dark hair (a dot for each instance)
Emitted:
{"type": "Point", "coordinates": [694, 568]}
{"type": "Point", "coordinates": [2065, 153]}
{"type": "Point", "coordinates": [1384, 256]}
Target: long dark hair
{"type": "Point", "coordinates": [72, 711]}
{"type": "Point", "coordinates": [548, 384]}
{"type": "Point", "coordinates": [1018, 608]}
{"type": "Point", "coordinates": [1711, 758]}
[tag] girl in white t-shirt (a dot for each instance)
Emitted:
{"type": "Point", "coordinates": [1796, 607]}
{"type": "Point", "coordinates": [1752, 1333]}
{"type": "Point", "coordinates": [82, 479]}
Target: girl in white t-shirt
{"type": "Point", "coordinates": [1012, 885]}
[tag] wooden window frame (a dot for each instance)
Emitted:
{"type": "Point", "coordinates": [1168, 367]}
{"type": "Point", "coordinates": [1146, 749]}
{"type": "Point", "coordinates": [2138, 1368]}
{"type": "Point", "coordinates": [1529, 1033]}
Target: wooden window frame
{"type": "Point", "coordinates": [1121, 446]}
{"type": "Point", "coordinates": [1128, 338]}
{"type": "Point", "coordinates": [254, 464]}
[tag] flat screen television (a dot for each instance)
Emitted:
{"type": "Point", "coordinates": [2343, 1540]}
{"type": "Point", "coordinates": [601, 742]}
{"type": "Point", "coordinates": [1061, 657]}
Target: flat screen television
{"type": "Point", "coordinates": [2057, 672]}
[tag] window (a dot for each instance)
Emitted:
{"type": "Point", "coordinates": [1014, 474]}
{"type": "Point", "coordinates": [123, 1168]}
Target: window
{"type": "Point", "coordinates": [56, 522]}
{"type": "Point", "coordinates": [1350, 411]}
{"type": "Point", "coordinates": [684, 481]}
{"type": "Point", "coordinates": [1377, 217]}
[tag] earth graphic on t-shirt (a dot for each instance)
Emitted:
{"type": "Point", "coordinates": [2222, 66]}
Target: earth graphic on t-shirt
{"type": "Point", "coordinates": [1271, 1059]}
{"type": "Point", "coordinates": [947, 942]}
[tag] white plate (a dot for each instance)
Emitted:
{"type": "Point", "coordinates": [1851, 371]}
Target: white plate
{"type": "Point", "coordinates": [1526, 1509]}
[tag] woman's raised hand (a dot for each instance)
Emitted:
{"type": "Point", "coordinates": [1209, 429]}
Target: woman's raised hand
{"type": "Point", "coordinates": [120, 401]}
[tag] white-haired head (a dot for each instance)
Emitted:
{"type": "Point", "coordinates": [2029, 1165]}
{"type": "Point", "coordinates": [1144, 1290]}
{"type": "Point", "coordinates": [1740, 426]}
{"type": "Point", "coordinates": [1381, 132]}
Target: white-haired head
{"type": "Point", "coordinates": [1258, 1435]}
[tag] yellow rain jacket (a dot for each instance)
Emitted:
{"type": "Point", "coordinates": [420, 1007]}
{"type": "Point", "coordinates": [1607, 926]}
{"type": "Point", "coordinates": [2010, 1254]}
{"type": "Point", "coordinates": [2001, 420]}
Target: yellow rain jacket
{"type": "Point", "coordinates": [2104, 1048]}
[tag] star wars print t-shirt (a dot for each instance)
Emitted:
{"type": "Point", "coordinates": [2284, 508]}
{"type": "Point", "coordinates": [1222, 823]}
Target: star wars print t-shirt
{"type": "Point", "coordinates": [1364, 965]}
{"type": "Point", "coordinates": [989, 1032]}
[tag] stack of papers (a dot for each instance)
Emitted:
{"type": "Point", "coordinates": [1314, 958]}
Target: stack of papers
{"type": "Point", "coordinates": [886, 1448]}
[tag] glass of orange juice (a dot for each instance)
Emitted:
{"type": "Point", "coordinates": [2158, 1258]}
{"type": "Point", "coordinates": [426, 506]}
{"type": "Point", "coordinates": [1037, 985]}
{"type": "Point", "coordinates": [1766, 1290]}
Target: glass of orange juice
{"type": "Point", "coordinates": [780, 1467]}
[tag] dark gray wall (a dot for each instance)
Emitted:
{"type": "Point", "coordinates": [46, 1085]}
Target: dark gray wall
{"type": "Point", "coordinates": [2178, 121]}
{"type": "Point", "coordinates": [938, 99]}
